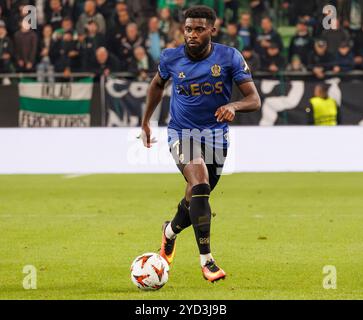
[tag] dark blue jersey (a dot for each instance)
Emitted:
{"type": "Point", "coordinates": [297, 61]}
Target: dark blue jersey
{"type": "Point", "coordinates": [199, 89]}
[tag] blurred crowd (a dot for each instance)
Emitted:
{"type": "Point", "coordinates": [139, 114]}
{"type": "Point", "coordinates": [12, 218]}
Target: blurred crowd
{"type": "Point", "coordinates": [127, 36]}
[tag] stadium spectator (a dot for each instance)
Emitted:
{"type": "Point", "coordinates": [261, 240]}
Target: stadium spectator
{"type": "Point", "coordinates": [296, 64]}
{"type": "Point", "coordinates": [68, 6]}
{"type": "Point", "coordinates": [267, 36]}
{"type": "Point", "coordinates": [6, 52]}
{"type": "Point", "coordinates": [320, 60]}
{"type": "Point", "coordinates": [90, 44]}
{"type": "Point", "coordinates": [231, 5]}
{"type": "Point", "coordinates": [128, 44]}
{"type": "Point", "coordinates": [344, 60]}
{"type": "Point", "coordinates": [106, 8]}
{"type": "Point", "coordinates": [56, 14]}
{"type": "Point", "coordinates": [298, 9]}
{"type": "Point", "coordinates": [45, 67]}
{"type": "Point", "coordinates": [120, 6]}
{"type": "Point", "coordinates": [89, 14]}
{"type": "Point", "coordinates": [142, 64]}
{"type": "Point", "coordinates": [246, 31]}
{"type": "Point", "coordinates": [167, 25]}
{"type": "Point", "coordinates": [301, 43]}
{"type": "Point", "coordinates": [15, 18]}
{"type": "Point", "coordinates": [65, 53]}
{"type": "Point", "coordinates": [107, 63]}
{"type": "Point", "coordinates": [273, 61]}
{"type": "Point", "coordinates": [63, 15]}
{"type": "Point", "coordinates": [155, 40]}
{"type": "Point", "coordinates": [258, 10]}
{"type": "Point", "coordinates": [178, 11]}
{"type": "Point", "coordinates": [118, 30]}
{"type": "Point", "coordinates": [231, 37]}
{"type": "Point", "coordinates": [67, 25]}
{"type": "Point", "coordinates": [178, 39]}
{"type": "Point", "coordinates": [252, 59]}
{"type": "Point", "coordinates": [14, 5]}
{"type": "Point", "coordinates": [25, 44]}
{"type": "Point", "coordinates": [352, 12]}
{"type": "Point", "coordinates": [323, 110]}
{"type": "Point", "coordinates": [218, 33]}
{"type": "Point", "coordinates": [334, 37]}
{"type": "Point", "coordinates": [141, 11]}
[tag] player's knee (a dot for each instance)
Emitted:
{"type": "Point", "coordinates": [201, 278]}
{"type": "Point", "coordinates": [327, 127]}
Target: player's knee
{"type": "Point", "coordinates": [197, 174]}
{"type": "Point", "coordinates": [199, 178]}
{"type": "Point", "coordinates": [203, 180]}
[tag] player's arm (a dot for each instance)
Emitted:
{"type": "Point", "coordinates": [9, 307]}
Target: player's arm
{"type": "Point", "coordinates": [250, 103]}
{"type": "Point", "coordinates": [154, 96]}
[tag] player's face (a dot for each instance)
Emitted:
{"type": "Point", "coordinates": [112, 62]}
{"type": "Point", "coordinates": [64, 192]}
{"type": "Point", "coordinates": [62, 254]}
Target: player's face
{"type": "Point", "coordinates": [197, 34]}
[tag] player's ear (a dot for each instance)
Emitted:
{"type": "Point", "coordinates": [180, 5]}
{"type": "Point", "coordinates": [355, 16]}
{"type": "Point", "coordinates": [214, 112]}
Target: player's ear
{"type": "Point", "coordinates": [214, 29]}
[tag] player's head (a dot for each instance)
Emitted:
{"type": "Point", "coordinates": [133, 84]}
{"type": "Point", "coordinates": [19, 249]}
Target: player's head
{"type": "Point", "coordinates": [198, 28]}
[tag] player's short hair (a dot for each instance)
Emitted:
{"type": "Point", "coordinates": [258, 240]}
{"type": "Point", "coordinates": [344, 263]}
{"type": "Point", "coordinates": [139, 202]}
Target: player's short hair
{"type": "Point", "coordinates": [201, 12]}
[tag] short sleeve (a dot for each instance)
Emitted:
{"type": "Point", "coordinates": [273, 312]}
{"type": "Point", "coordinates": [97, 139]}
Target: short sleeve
{"type": "Point", "coordinates": [162, 68]}
{"type": "Point", "coordinates": [240, 70]}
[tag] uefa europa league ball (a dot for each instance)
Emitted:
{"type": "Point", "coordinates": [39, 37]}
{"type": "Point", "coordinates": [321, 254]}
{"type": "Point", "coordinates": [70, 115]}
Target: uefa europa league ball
{"type": "Point", "coordinates": [149, 271]}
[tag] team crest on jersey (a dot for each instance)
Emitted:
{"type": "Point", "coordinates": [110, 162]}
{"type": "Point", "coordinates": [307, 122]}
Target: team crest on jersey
{"type": "Point", "coordinates": [216, 70]}
{"type": "Point", "coordinates": [181, 75]}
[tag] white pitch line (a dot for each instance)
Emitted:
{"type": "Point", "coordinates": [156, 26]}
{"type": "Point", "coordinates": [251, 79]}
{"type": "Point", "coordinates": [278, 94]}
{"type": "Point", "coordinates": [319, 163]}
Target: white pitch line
{"type": "Point", "coordinates": [73, 176]}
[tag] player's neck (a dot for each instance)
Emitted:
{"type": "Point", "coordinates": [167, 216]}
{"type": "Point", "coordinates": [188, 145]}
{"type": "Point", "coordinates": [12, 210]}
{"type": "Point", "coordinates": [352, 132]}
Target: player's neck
{"type": "Point", "coordinates": [200, 55]}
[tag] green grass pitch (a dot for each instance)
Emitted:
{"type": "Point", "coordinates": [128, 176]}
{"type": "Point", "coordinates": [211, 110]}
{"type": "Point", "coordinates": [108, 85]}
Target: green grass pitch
{"type": "Point", "coordinates": [272, 233]}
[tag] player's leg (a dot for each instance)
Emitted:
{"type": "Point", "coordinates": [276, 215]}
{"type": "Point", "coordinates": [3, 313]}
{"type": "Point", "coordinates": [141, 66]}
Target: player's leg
{"type": "Point", "coordinates": [215, 168]}
{"type": "Point", "coordinates": [181, 219]}
{"type": "Point", "coordinates": [180, 222]}
{"type": "Point", "coordinates": [196, 173]}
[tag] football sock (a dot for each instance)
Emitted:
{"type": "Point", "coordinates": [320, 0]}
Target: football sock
{"type": "Point", "coordinates": [204, 258]}
{"type": "Point", "coordinates": [181, 219]}
{"type": "Point", "coordinates": [200, 215]}
{"type": "Point", "coordinates": [169, 233]}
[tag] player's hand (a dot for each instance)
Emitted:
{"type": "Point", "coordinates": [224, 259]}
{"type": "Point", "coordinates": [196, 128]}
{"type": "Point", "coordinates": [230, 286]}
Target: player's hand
{"type": "Point", "coordinates": [225, 114]}
{"type": "Point", "coordinates": [146, 136]}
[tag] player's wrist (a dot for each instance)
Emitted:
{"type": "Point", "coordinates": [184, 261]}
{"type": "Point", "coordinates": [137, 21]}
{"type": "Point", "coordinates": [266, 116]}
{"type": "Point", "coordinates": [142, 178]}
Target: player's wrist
{"type": "Point", "coordinates": [232, 107]}
{"type": "Point", "coordinates": [145, 124]}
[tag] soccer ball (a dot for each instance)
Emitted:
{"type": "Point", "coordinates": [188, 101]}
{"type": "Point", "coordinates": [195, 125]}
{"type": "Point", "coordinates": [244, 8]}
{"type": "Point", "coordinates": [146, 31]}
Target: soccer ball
{"type": "Point", "coordinates": [149, 271]}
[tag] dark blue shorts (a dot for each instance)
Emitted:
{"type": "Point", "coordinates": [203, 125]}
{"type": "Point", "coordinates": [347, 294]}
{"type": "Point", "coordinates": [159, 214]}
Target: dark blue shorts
{"type": "Point", "coordinates": [185, 150]}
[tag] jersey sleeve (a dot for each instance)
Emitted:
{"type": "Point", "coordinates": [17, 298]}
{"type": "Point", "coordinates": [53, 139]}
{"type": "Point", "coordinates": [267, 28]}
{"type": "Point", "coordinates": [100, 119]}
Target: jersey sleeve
{"type": "Point", "coordinates": [163, 68]}
{"type": "Point", "coordinates": [240, 70]}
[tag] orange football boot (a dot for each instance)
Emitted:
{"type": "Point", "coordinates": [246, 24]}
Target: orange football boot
{"type": "Point", "coordinates": [212, 272]}
{"type": "Point", "coordinates": [167, 250]}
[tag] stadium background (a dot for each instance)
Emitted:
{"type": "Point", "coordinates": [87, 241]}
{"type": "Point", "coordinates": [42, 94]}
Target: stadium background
{"type": "Point", "coordinates": [81, 230]}
{"type": "Point", "coordinates": [132, 33]}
